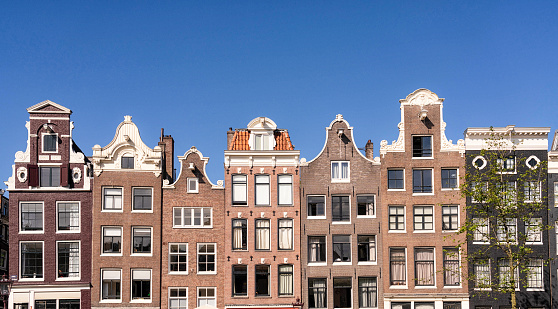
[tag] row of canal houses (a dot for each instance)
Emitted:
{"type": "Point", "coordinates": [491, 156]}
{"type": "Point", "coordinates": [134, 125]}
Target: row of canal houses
{"type": "Point", "coordinates": [343, 230]}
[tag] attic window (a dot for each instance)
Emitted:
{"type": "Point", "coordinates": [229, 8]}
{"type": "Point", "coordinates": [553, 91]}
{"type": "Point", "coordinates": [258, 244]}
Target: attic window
{"type": "Point", "coordinates": [50, 142]}
{"type": "Point", "coordinates": [192, 185]}
{"type": "Point", "coordinates": [261, 142]}
{"type": "Point", "coordinates": [127, 162]}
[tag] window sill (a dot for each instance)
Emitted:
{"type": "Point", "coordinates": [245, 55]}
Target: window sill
{"type": "Point", "coordinates": [141, 254]}
{"type": "Point", "coordinates": [286, 205]}
{"type": "Point", "coordinates": [421, 287]}
{"type": "Point", "coordinates": [244, 205]}
{"type": "Point", "coordinates": [450, 231]}
{"type": "Point", "coordinates": [192, 192]}
{"type": "Point", "coordinates": [397, 190]}
{"type": "Point", "coordinates": [69, 279]}
{"type": "Point", "coordinates": [423, 231]}
{"type": "Point", "coordinates": [193, 227]}
{"type": "Point", "coordinates": [111, 254]}
{"type": "Point", "coordinates": [266, 205]}
{"type": "Point", "coordinates": [316, 217]}
{"type": "Point", "coordinates": [263, 296]}
{"type": "Point", "coordinates": [134, 211]}
{"type": "Point", "coordinates": [142, 301]}
{"type": "Point", "coordinates": [205, 273]}
{"type": "Point", "coordinates": [367, 263]}
{"type": "Point", "coordinates": [450, 189]}
{"type": "Point", "coordinates": [174, 273]}
{"type": "Point", "coordinates": [397, 231]}
{"type": "Point", "coordinates": [31, 279]}
{"type": "Point", "coordinates": [317, 263]}
{"type": "Point", "coordinates": [342, 263]}
{"type": "Point", "coordinates": [452, 286]}
{"type": "Point", "coordinates": [365, 217]}
{"type": "Point", "coordinates": [533, 243]}
{"type": "Point", "coordinates": [422, 193]}
{"type": "Point", "coordinates": [534, 289]}
{"type": "Point", "coordinates": [240, 296]}
{"type": "Point", "coordinates": [423, 158]}
{"type": "Point", "coordinates": [340, 181]}
{"type": "Point", "coordinates": [398, 287]}
{"type": "Point", "coordinates": [285, 296]}
{"type": "Point", "coordinates": [341, 222]}
{"type": "Point", "coordinates": [116, 210]}
{"type": "Point", "coordinates": [68, 232]}
{"type": "Point", "coordinates": [31, 232]}
{"type": "Point", "coordinates": [110, 301]}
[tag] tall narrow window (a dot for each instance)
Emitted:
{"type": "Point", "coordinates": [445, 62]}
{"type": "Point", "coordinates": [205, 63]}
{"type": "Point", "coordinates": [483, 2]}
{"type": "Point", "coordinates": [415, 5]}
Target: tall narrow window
{"type": "Point", "coordinates": [340, 171]}
{"type": "Point", "coordinates": [422, 146]}
{"type": "Point", "coordinates": [50, 142]}
{"type": "Point", "coordinates": [316, 206]}
{"type": "Point", "coordinates": [239, 190]}
{"type": "Point", "coordinates": [112, 239]}
{"type": "Point", "coordinates": [285, 189]}
{"type": "Point", "coordinates": [142, 198]}
{"type": "Point", "coordinates": [207, 296]}
{"type": "Point", "coordinates": [367, 292]}
{"type": "Point", "coordinates": [31, 216]}
{"type": "Point", "coordinates": [532, 191]}
{"type": "Point", "coordinates": [365, 205]}
{"type": "Point", "coordinates": [285, 239]}
{"type": "Point", "coordinates": [110, 288]}
{"type": "Point", "coordinates": [317, 293]}
{"type": "Point", "coordinates": [68, 260]}
{"type": "Point", "coordinates": [340, 209]}
{"type": "Point", "coordinates": [450, 217]}
{"type": "Point", "coordinates": [240, 280]}
{"type": "Point", "coordinates": [50, 176]}
{"type": "Point", "coordinates": [556, 194]}
{"type": "Point", "coordinates": [112, 198]}
{"type": "Point", "coordinates": [263, 234]}
{"type": "Point", "coordinates": [535, 274]}
{"type": "Point", "coordinates": [505, 277]}
{"type": "Point", "coordinates": [316, 249]}
{"type": "Point", "coordinates": [341, 248]}
{"type": "Point", "coordinates": [422, 181]}
{"type": "Point", "coordinates": [507, 230]}
{"type": "Point", "coordinates": [533, 230]}
{"type": "Point", "coordinates": [481, 269]}
{"type": "Point", "coordinates": [480, 234]}
{"type": "Point", "coordinates": [142, 240]}
{"type": "Point", "coordinates": [192, 185]}
{"type": "Point", "coordinates": [396, 179]}
{"type": "Point", "coordinates": [451, 267]}
{"type": "Point", "coordinates": [207, 258]}
{"type": "Point", "coordinates": [262, 190]}
{"type": "Point", "coordinates": [397, 266]}
{"type": "Point", "coordinates": [141, 284]}
{"type": "Point", "coordinates": [240, 231]}
{"type": "Point", "coordinates": [424, 266]}
{"type": "Point", "coordinates": [342, 293]}
{"type": "Point", "coordinates": [178, 298]}
{"type": "Point", "coordinates": [423, 218]}
{"type": "Point", "coordinates": [449, 178]}
{"type": "Point", "coordinates": [178, 258]}
{"type": "Point", "coordinates": [396, 218]}
{"type": "Point", "coordinates": [31, 260]}
{"type": "Point", "coordinates": [285, 279]}
{"type": "Point", "coordinates": [68, 216]}
{"type": "Point", "coordinates": [367, 248]}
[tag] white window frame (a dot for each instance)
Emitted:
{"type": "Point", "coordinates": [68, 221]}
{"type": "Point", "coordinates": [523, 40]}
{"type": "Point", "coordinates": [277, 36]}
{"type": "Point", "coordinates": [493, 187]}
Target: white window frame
{"type": "Point", "coordinates": [359, 292]}
{"type": "Point", "coordinates": [308, 216]}
{"type": "Point", "coordinates": [320, 263]}
{"type": "Point", "coordinates": [43, 142]}
{"type": "Point", "coordinates": [484, 235]}
{"type": "Point", "coordinates": [501, 274]}
{"type": "Point", "coordinates": [536, 223]}
{"type": "Point", "coordinates": [257, 184]}
{"type": "Point", "coordinates": [104, 209]}
{"type": "Point", "coordinates": [150, 286]}
{"type": "Point", "coordinates": [540, 267]}
{"type": "Point", "coordinates": [21, 279]}
{"type": "Point", "coordinates": [134, 227]}
{"type": "Point", "coordinates": [387, 178]}
{"type": "Point", "coordinates": [373, 201]}
{"type": "Point", "coordinates": [133, 200]}
{"type": "Point", "coordinates": [500, 231]}
{"type": "Point", "coordinates": [79, 259]}
{"type": "Point", "coordinates": [500, 161]}
{"type": "Point", "coordinates": [431, 147]}
{"type": "Point", "coordinates": [192, 226]}
{"type": "Point", "coordinates": [265, 142]}
{"type": "Point", "coordinates": [127, 155]}
{"type": "Point", "coordinates": [435, 273]}
{"type": "Point", "coordinates": [371, 262]}
{"type": "Point", "coordinates": [206, 298]}
{"type": "Point", "coordinates": [457, 180]}
{"type": "Point", "coordinates": [42, 231]}
{"type": "Point", "coordinates": [291, 234]}
{"type": "Point", "coordinates": [458, 218]}
{"type": "Point", "coordinates": [103, 240]}
{"type": "Point", "coordinates": [79, 217]}
{"type": "Point", "coordinates": [431, 181]}
{"type": "Point", "coordinates": [536, 194]}
{"type": "Point", "coordinates": [177, 297]}
{"type": "Point", "coordinates": [285, 184]}
{"type": "Point", "coordinates": [350, 209]}
{"type": "Point", "coordinates": [404, 230]}
{"type": "Point", "coordinates": [195, 181]}
{"type": "Point", "coordinates": [101, 300]}
{"type": "Point", "coordinates": [333, 287]}
{"type": "Point", "coordinates": [338, 167]}
{"type": "Point", "coordinates": [459, 267]}
{"type": "Point", "coordinates": [198, 256]}
{"type": "Point", "coordinates": [476, 278]}
{"type": "Point", "coordinates": [245, 183]}
{"type": "Point", "coordinates": [556, 194]}
{"type": "Point", "coordinates": [50, 165]}
{"type": "Point", "coordinates": [402, 286]}
{"type": "Point", "coordinates": [529, 159]}
{"type": "Point", "coordinates": [433, 215]}
{"type": "Point", "coordinates": [169, 259]}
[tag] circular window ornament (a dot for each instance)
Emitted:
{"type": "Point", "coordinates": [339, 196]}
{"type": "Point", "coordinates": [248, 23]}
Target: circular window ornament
{"type": "Point", "coordinates": [22, 174]}
{"type": "Point", "coordinates": [479, 162]}
{"type": "Point", "coordinates": [76, 174]}
{"type": "Point", "coordinates": [532, 162]}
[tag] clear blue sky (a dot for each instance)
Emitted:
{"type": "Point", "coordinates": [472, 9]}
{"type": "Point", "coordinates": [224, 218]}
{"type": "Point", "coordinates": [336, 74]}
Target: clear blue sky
{"type": "Point", "coordinates": [197, 68]}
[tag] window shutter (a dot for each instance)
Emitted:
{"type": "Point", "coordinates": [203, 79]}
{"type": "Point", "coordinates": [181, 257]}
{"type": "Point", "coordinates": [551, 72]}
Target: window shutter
{"type": "Point", "coordinates": [33, 176]}
{"type": "Point", "coordinates": [64, 173]}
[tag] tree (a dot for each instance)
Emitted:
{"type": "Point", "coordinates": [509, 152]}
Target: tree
{"type": "Point", "coordinates": [506, 214]}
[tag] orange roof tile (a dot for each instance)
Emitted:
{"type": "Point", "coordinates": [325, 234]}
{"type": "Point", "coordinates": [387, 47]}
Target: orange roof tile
{"type": "Point", "coordinates": [282, 140]}
{"type": "Point", "coordinates": [241, 137]}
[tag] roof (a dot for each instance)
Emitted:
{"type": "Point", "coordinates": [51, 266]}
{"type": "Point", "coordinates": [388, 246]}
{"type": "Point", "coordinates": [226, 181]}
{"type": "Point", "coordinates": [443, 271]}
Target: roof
{"type": "Point", "coordinates": [241, 137]}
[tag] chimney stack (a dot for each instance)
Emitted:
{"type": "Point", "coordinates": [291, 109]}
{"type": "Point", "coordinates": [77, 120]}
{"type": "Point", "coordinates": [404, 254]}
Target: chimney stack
{"type": "Point", "coordinates": [167, 143]}
{"type": "Point", "coordinates": [369, 150]}
{"type": "Point", "coordinates": [230, 135]}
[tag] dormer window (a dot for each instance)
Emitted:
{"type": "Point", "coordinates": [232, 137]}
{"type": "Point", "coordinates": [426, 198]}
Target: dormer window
{"type": "Point", "coordinates": [261, 142]}
{"type": "Point", "coordinates": [50, 142]}
{"type": "Point", "coordinates": [127, 162]}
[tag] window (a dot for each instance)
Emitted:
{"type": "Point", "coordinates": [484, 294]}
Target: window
{"type": "Point", "coordinates": [262, 190]}
{"type": "Point", "coordinates": [396, 179]}
{"type": "Point", "coordinates": [316, 249]}
{"type": "Point", "coordinates": [31, 217]}
{"type": "Point", "coordinates": [178, 298]}
{"type": "Point", "coordinates": [142, 240]}
{"type": "Point", "coordinates": [285, 279]}
{"type": "Point", "coordinates": [50, 176]}
{"type": "Point", "coordinates": [396, 218]}
{"type": "Point", "coordinates": [422, 146]}
{"type": "Point", "coordinates": [192, 217]}
{"type": "Point", "coordinates": [3, 259]}
{"type": "Point", "coordinates": [285, 189]}
{"type": "Point", "coordinates": [400, 305]}
{"type": "Point", "coordinates": [317, 293]}
{"type": "Point", "coordinates": [239, 190]}
{"type": "Point", "coordinates": [69, 303]}
{"type": "Point", "coordinates": [142, 198]}
{"type": "Point", "coordinates": [504, 272]}
{"type": "Point", "coordinates": [506, 163]}
{"type": "Point", "coordinates": [508, 192]}
{"type": "Point", "coordinates": [422, 181]}
{"type": "Point", "coordinates": [207, 296]}
{"type": "Point", "coordinates": [481, 269]}
{"type": "Point", "coordinates": [50, 142]}
{"type": "Point", "coordinates": [507, 231]}
{"type": "Point", "coordinates": [424, 266]}
{"type": "Point", "coordinates": [240, 280]}
{"type": "Point", "coordinates": [31, 260]}
{"type": "Point", "coordinates": [424, 305]}
{"type": "Point", "coordinates": [451, 267]}
{"type": "Point", "coordinates": [261, 142]}
{"type": "Point", "coordinates": [535, 274]}
{"type": "Point", "coordinates": [449, 178]}
{"type": "Point", "coordinates": [453, 305]}
{"type": "Point", "coordinates": [68, 216]}
{"type": "Point", "coordinates": [340, 209]}
{"type": "Point", "coordinates": [423, 218]}
{"type": "Point", "coordinates": [285, 239]}
{"type": "Point", "coordinates": [481, 231]}
{"type": "Point", "coordinates": [367, 292]}
{"type": "Point", "coordinates": [450, 215]}
{"type": "Point", "coordinates": [532, 191]}
{"type": "Point", "coordinates": [239, 236]}
{"type": "Point", "coordinates": [68, 259]}
{"type": "Point", "coordinates": [478, 191]}
{"type": "Point", "coordinates": [127, 162]}
{"type": "Point", "coordinates": [178, 258]}
{"type": "Point", "coordinates": [263, 234]}
{"type": "Point", "coordinates": [342, 292]}
{"type": "Point", "coordinates": [45, 304]}
{"type": "Point", "coordinates": [112, 198]}
{"type": "Point", "coordinates": [341, 248]}
{"type": "Point", "coordinates": [110, 288]}
{"type": "Point", "coordinates": [365, 205]}
{"type": "Point", "coordinates": [112, 239]}
{"type": "Point", "coordinates": [141, 284]}
{"type": "Point", "coordinates": [366, 248]}
{"type": "Point", "coordinates": [340, 171]}
{"type": "Point", "coordinates": [316, 206]}
{"type": "Point", "coordinates": [397, 266]}
{"type": "Point", "coordinates": [533, 231]}
{"type": "Point", "coordinates": [556, 194]}
{"type": "Point", "coordinates": [207, 258]}
{"type": "Point", "coordinates": [192, 185]}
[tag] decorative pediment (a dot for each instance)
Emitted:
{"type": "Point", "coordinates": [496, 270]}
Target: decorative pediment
{"type": "Point", "coordinates": [205, 160]}
{"type": "Point", "coordinates": [48, 107]}
{"type": "Point", "coordinates": [421, 97]}
{"type": "Point", "coordinates": [262, 123]}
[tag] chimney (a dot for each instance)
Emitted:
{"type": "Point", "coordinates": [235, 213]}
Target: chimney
{"type": "Point", "coordinates": [230, 135]}
{"type": "Point", "coordinates": [167, 143]}
{"type": "Point", "coordinates": [369, 150]}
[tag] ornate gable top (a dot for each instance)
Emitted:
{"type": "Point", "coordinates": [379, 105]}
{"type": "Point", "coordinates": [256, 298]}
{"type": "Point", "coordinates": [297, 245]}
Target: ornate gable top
{"type": "Point", "coordinates": [421, 97]}
{"type": "Point", "coordinates": [48, 107]}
